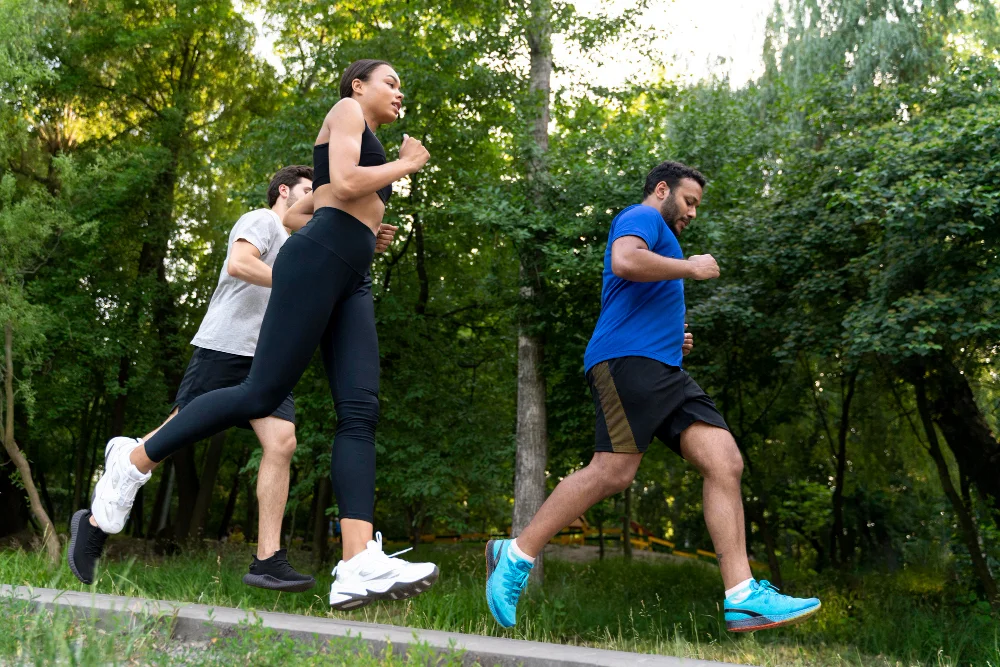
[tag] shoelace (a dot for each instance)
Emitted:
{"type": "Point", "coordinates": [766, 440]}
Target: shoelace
{"type": "Point", "coordinates": [95, 542]}
{"type": "Point", "coordinates": [379, 554]}
{"type": "Point", "coordinates": [766, 587]}
{"type": "Point", "coordinates": [514, 579]}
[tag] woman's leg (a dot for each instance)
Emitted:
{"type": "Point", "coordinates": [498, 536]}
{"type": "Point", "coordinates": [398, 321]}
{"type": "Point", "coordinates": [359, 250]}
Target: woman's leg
{"type": "Point", "coordinates": [307, 281]}
{"type": "Point", "coordinates": [350, 354]}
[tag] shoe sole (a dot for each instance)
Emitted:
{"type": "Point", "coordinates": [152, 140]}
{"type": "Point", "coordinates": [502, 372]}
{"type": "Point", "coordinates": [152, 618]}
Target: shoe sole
{"type": "Point", "coordinates": [275, 584]}
{"type": "Point", "coordinates": [765, 623]}
{"type": "Point", "coordinates": [74, 529]}
{"type": "Point", "coordinates": [398, 591]}
{"type": "Point", "coordinates": [491, 566]}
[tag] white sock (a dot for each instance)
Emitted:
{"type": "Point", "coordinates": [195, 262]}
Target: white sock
{"type": "Point", "coordinates": [739, 592]}
{"type": "Point", "coordinates": [133, 471]}
{"type": "Point", "coordinates": [520, 554]}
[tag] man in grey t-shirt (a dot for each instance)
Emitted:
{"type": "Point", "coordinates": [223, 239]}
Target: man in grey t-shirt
{"type": "Point", "coordinates": [223, 354]}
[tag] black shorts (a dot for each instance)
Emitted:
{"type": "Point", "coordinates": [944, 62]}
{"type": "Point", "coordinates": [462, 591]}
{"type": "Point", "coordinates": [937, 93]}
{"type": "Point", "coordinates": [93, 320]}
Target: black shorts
{"type": "Point", "coordinates": [637, 399]}
{"type": "Point", "coordinates": [209, 370]}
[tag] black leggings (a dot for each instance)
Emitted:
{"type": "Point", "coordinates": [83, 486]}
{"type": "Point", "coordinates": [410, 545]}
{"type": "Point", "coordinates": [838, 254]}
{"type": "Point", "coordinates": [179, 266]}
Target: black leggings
{"type": "Point", "coordinates": [320, 296]}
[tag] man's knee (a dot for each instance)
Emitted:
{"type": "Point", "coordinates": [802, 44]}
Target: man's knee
{"type": "Point", "coordinates": [720, 458]}
{"type": "Point", "coordinates": [282, 446]}
{"type": "Point", "coordinates": [615, 471]}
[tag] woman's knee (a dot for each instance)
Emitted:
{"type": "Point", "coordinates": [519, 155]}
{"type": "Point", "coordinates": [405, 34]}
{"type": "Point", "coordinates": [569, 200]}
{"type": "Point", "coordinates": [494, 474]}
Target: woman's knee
{"type": "Point", "coordinates": [360, 411]}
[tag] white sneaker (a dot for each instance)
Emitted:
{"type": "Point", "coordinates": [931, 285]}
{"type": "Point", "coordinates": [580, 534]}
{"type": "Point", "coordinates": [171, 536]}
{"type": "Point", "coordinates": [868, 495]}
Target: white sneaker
{"type": "Point", "coordinates": [371, 575]}
{"type": "Point", "coordinates": [116, 489]}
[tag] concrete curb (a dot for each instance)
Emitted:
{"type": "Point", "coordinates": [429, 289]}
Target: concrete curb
{"type": "Point", "coordinates": [192, 622]}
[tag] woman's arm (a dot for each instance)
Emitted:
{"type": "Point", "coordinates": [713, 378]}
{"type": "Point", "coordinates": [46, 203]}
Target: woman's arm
{"type": "Point", "coordinates": [350, 181]}
{"type": "Point", "coordinates": [299, 214]}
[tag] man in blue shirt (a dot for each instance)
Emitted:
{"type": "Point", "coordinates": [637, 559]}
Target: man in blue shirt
{"type": "Point", "coordinates": [633, 366]}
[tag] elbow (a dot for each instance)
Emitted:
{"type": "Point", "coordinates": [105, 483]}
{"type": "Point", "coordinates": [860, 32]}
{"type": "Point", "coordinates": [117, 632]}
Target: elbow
{"type": "Point", "coordinates": [234, 269]}
{"type": "Point", "coordinates": [344, 188]}
{"type": "Point", "coordinates": [621, 269]}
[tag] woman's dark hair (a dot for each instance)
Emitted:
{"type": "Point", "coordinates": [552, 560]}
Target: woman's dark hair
{"type": "Point", "coordinates": [289, 176]}
{"type": "Point", "coordinates": [359, 69]}
{"type": "Point", "coordinates": [671, 173]}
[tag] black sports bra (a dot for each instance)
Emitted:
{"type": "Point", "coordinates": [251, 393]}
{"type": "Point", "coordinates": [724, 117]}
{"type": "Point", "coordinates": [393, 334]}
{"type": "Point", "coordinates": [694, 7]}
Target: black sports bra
{"type": "Point", "coordinates": [372, 155]}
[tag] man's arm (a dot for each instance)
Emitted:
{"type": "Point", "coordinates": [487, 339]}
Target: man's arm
{"type": "Point", "coordinates": [632, 260]}
{"type": "Point", "coordinates": [299, 214]}
{"type": "Point", "coordinates": [245, 264]}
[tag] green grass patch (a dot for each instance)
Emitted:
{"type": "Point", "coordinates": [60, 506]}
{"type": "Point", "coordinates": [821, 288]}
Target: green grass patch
{"type": "Point", "coordinates": [649, 607]}
{"type": "Point", "coordinates": [32, 636]}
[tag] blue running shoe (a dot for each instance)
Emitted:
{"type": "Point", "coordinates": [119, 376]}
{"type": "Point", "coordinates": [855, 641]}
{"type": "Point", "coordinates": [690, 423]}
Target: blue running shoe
{"type": "Point", "coordinates": [506, 577]}
{"type": "Point", "coordinates": [766, 608]}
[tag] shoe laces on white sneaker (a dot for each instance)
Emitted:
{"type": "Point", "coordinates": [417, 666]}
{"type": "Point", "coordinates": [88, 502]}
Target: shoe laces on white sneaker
{"type": "Point", "coordinates": [129, 484]}
{"type": "Point", "coordinates": [373, 553]}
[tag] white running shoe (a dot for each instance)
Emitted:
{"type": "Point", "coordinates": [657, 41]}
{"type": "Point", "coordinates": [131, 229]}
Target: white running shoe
{"type": "Point", "coordinates": [371, 575]}
{"type": "Point", "coordinates": [116, 489]}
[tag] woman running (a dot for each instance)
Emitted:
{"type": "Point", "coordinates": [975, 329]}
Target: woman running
{"type": "Point", "coordinates": [321, 297]}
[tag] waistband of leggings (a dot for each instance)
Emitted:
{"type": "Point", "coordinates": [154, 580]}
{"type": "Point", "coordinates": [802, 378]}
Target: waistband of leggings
{"type": "Point", "coordinates": [344, 235]}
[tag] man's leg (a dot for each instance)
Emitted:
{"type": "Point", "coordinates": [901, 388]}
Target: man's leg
{"type": "Point", "coordinates": [607, 474]}
{"type": "Point", "coordinates": [277, 437]}
{"type": "Point", "coordinates": [509, 562]}
{"type": "Point", "coordinates": [714, 453]}
{"type": "Point", "coordinates": [749, 605]}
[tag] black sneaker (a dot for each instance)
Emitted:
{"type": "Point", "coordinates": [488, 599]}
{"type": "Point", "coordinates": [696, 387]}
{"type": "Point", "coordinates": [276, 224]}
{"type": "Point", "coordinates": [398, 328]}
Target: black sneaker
{"type": "Point", "coordinates": [86, 544]}
{"type": "Point", "coordinates": [276, 574]}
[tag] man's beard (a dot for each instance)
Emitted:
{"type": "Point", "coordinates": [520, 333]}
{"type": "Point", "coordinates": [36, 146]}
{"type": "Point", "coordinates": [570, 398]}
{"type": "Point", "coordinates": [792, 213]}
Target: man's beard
{"type": "Point", "coordinates": [671, 214]}
{"type": "Point", "coordinates": [292, 198]}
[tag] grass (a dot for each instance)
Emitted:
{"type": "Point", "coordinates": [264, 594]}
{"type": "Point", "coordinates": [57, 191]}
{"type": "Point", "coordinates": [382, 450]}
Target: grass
{"type": "Point", "coordinates": [665, 608]}
{"type": "Point", "coordinates": [46, 637]}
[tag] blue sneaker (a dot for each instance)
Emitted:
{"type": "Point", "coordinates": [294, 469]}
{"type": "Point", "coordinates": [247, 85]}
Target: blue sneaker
{"type": "Point", "coordinates": [506, 577]}
{"type": "Point", "coordinates": [766, 608]}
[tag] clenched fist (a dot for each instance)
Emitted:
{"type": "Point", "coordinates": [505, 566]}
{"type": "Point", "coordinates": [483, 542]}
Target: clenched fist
{"type": "Point", "coordinates": [703, 267]}
{"type": "Point", "coordinates": [384, 237]}
{"type": "Point", "coordinates": [413, 153]}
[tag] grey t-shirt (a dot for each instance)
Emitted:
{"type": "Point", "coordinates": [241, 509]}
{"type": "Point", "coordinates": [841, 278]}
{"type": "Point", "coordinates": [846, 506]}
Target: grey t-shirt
{"type": "Point", "coordinates": [236, 310]}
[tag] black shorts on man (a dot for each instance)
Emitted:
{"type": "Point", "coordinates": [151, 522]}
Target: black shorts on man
{"type": "Point", "coordinates": [209, 370]}
{"type": "Point", "coordinates": [638, 398]}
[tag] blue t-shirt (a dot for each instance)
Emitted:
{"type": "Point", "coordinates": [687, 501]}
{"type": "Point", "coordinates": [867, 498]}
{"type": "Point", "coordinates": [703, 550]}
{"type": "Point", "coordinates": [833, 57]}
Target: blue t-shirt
{"type": "Point", "coordinates": [639, 319]}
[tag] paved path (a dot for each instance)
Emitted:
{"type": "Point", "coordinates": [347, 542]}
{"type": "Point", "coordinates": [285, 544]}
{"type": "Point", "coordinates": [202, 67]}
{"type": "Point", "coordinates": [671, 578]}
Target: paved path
{"type": "Point", "coordinates": [193, 622]}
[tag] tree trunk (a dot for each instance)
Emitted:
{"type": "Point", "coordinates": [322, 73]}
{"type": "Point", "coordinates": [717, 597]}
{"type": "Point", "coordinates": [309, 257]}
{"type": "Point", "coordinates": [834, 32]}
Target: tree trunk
{"type": "Point", "coordinates": [755, 511]}
{"type": "Point", "coordinates": [953, 408]}
{"type": "Point", "coordinates": [600, 538]}
{"type": "Point", "coordinates": [121, 400]}
{"type": "Point", "coordinates": [532, 423]}
{"type": "Point", "coordinates": [14, 514]}
{"type": "Point", "coordinates": [322, 522]}
{"type": "Point", "coordinates": [83, 445]}
{"type": "Point", "coordinates": [627, 525]}
{"type": "Point", "coordinates": [837, 531]}
{"type": "Point", "coordinates": [48, 530]}
{"type": "Point", "coordinates": [206, 486]}
{"type": "Point", "coordinates": [966, 522]}
{"type": "Point", "coordinates": [186, 476]}
{"type": "Point", "coordinates": [234, 492]}
{"type": "Point", "coordinates": [161, 506]}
